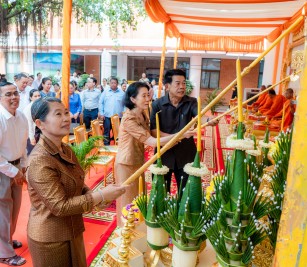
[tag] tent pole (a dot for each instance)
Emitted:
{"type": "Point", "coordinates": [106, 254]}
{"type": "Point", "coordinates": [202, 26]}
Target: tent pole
{"type": "Point", "coordinates": [176, 53]}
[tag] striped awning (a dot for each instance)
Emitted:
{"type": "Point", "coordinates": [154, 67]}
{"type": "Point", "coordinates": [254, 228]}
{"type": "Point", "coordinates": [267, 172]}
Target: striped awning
{"type": "Point", "coordinates": [228, 25]}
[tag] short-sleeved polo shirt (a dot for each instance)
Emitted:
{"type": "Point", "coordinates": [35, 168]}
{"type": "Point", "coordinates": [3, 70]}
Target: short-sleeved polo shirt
{"type": "Point", "coordinates": [172, 119]}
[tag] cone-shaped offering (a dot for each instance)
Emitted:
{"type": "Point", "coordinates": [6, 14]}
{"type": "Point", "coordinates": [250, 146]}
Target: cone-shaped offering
{"type": "Point", "coordinates": [235, 229]}
{"type": "Point", "coordinates": [157, 237]}
{"type": "Point", "coordinates": [185, 217]}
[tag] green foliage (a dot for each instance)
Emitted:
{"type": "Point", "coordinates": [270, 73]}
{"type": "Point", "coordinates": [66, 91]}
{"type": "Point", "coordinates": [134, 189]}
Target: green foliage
{"type": "Point", "coordinates": [86, 153]}
{"type": "Point", "coordinates": [40, 14]}
{"type": "Point", "coordinates": [189, 87]}
{"type": "Point", "coordinates": [278, 184]}
{"type": "Point", "coordinates": [82, 80]}
{"type": "Point", "coordinates": [53, 79]}
{"type": "Point", "coordinates": [210, 96]}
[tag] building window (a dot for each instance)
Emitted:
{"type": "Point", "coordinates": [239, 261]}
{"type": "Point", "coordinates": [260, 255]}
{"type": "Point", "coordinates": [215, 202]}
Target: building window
{"type": "Point", "coordinates": [12, 65]}
{"type": "Point", "coordinates": [260, 77]}
{"type": "Point", "coordinates": [151, 66]}
{"type": "Point", "coordinates": [210, 73]}
{"type": "Point", "coordinates": [114, 65]}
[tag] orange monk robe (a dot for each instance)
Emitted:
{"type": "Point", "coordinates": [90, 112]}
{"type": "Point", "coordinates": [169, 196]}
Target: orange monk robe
{"type": "Point", "coordinates": [266, 105]}
{"type": "Point", "coordinates": [260, 100]}
{"type": "Point", "coordinates": [278, 103]}
{"type": "Point", "coordinates": [288, 117]}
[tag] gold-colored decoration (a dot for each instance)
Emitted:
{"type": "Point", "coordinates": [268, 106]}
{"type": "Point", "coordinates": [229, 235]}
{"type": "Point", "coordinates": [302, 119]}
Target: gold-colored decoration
{"type": "Point", "coordinates": [299, 34]}
{"type": "Point", "coordinates": [297, 59]}
{"type": "Point", "coordinates": [131, 219]}
{"type": "Point", "coordinates": [123, 250]}
{"type": "Point", "coordinates": [263, 254]}
{"type": "Point", "coordinates": [166, 256]}
{"type": "Point", "coordinates": [154, 258]}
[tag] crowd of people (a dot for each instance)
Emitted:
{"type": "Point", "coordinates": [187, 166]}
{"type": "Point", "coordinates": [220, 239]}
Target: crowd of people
{"type": "Point", "coordinates": [35, 119]}
{"type": "Point", "coordinates": [276, 108]}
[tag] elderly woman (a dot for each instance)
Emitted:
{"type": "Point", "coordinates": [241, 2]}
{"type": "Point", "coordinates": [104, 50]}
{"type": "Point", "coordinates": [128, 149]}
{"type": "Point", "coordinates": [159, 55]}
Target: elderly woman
{"type": "Point", "coordinates": [57, 192]}
{"type": "Point", "coordinates": [133, 134]}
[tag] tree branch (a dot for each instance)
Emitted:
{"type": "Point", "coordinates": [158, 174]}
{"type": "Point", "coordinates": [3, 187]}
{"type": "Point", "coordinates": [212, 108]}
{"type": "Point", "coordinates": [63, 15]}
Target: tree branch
{"type": "Point", "coordinates": [38, 4]}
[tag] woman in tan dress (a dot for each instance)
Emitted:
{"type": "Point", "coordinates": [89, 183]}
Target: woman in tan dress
{"type": "Point", "coordinates": [57, 192]}
{"type": "Point", "coordinates": [134, 132]}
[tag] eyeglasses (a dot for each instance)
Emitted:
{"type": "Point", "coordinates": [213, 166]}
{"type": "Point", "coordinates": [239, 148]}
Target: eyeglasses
{"type": "Point", "coordinates": [11, 94]}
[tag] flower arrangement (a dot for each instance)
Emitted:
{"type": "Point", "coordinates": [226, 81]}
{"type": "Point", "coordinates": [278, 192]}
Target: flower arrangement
{"type": "Point", "coordinates": [136, 210]}
{"type": "Point", "coordinates": [236, 228]}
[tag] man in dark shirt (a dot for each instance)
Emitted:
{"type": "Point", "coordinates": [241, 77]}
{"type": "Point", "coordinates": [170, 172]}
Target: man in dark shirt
{"type": "Point", "coordinates": [177, 110]}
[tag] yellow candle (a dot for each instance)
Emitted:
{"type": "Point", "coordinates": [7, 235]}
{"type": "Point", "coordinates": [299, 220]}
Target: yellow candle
{"type": "Point", "coordinates": [283, 117]}
{"type": "Point", "coordinates": [239, 90]}
{"type": "Point", "coordinates": [158, 136]}
{"type": "Point", "coordinates": [199, 125]}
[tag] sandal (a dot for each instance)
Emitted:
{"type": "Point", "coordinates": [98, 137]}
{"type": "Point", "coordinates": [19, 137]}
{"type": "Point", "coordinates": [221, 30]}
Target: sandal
{"type": "Point", "coordinates": [13, 261]}
{"type": "Point", "coordinates": [16, 244]}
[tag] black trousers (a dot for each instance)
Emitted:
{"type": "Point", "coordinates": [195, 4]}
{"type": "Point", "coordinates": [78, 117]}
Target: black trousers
{"type": "Point", "coordinates": [107, 128]}
{"type": "Point", "coordinates": [88, 116]}
{"type": "Point", "coordinates": [180, 176]}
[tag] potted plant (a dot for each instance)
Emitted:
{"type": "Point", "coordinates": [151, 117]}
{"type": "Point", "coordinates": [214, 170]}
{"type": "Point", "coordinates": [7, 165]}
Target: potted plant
{"type": "Point", "coordinates": [189, 87]}
{"type": "Point", "coordinates": [87, 152]}
{"type": "Point", "coordinates": [210, 96]}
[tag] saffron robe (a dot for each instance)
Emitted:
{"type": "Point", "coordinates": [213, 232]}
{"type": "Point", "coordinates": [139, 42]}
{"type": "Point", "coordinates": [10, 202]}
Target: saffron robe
{"type": "Point", "coordinates": [277, 106]}
{"type": "Point", "coordinates": [288, 118]}
{"type": "Point", "coordinates": [266, 105]}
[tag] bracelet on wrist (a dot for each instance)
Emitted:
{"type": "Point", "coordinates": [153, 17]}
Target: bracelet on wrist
{"type": "Point", "coordinates": [101, 194]}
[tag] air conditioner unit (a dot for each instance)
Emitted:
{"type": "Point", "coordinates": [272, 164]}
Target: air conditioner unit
{"type": "Point", "coordinates": [250, 92]}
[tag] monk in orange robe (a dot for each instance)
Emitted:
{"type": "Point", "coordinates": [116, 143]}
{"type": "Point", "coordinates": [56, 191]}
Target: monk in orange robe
{"type": "Point", "coordinates": [289, 107]}
{"type": "Point", "coordinates": [277, 104]}
{"type": "Point", "coordinates": [266, 106]}
{"type": "Point", "coordinates": [261, 98]}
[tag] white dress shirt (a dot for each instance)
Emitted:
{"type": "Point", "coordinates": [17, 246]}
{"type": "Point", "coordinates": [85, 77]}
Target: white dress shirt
{"type": "Point", "coordinates": [31, 124]}
{"type": "Point", "coordinates": [13, 141]}
{"type": "Point", "coordinates": [24, 97]}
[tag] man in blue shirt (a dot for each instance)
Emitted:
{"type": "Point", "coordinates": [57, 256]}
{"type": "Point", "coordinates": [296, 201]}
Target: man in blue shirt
{"type": "Point", "coordinates": [110, 103]}
{"type": "Point", "coordinates": [90, 101]}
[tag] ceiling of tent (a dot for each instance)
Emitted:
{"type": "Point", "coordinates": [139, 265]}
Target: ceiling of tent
{"type": "Point", "coordinates": [229, 22]}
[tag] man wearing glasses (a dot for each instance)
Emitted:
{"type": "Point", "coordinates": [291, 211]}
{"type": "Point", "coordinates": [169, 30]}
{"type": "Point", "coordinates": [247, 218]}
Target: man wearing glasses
{"type": "Point", "coordinates": [13, 153]}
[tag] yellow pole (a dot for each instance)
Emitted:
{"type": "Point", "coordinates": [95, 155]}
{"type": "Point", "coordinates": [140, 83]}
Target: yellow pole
{"type": "Point", "coordinates": [162, 62]}
{"type": "Point", "coordinates": [173, 141]}
{"type": "Point", "coordinates": [176, 53]}
{"type": "Point", "coordinates": [240, 91]}
{"type": "Point", "coordinates": [245, 102]}
{"type": "Point", "coordinates": [291, 247]}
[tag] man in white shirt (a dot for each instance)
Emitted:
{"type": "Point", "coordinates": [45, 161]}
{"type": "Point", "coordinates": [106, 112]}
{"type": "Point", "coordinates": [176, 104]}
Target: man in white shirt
{"type": "Point", "coordinates": [38, 81]}
{"type": "Point", "coordinates": [21, 83]}
{"type": "Point", "coordinates": [13, 155]}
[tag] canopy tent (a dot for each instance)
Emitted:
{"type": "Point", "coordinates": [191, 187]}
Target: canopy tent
{"type": "Point", "coordinates": [224, 25]}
